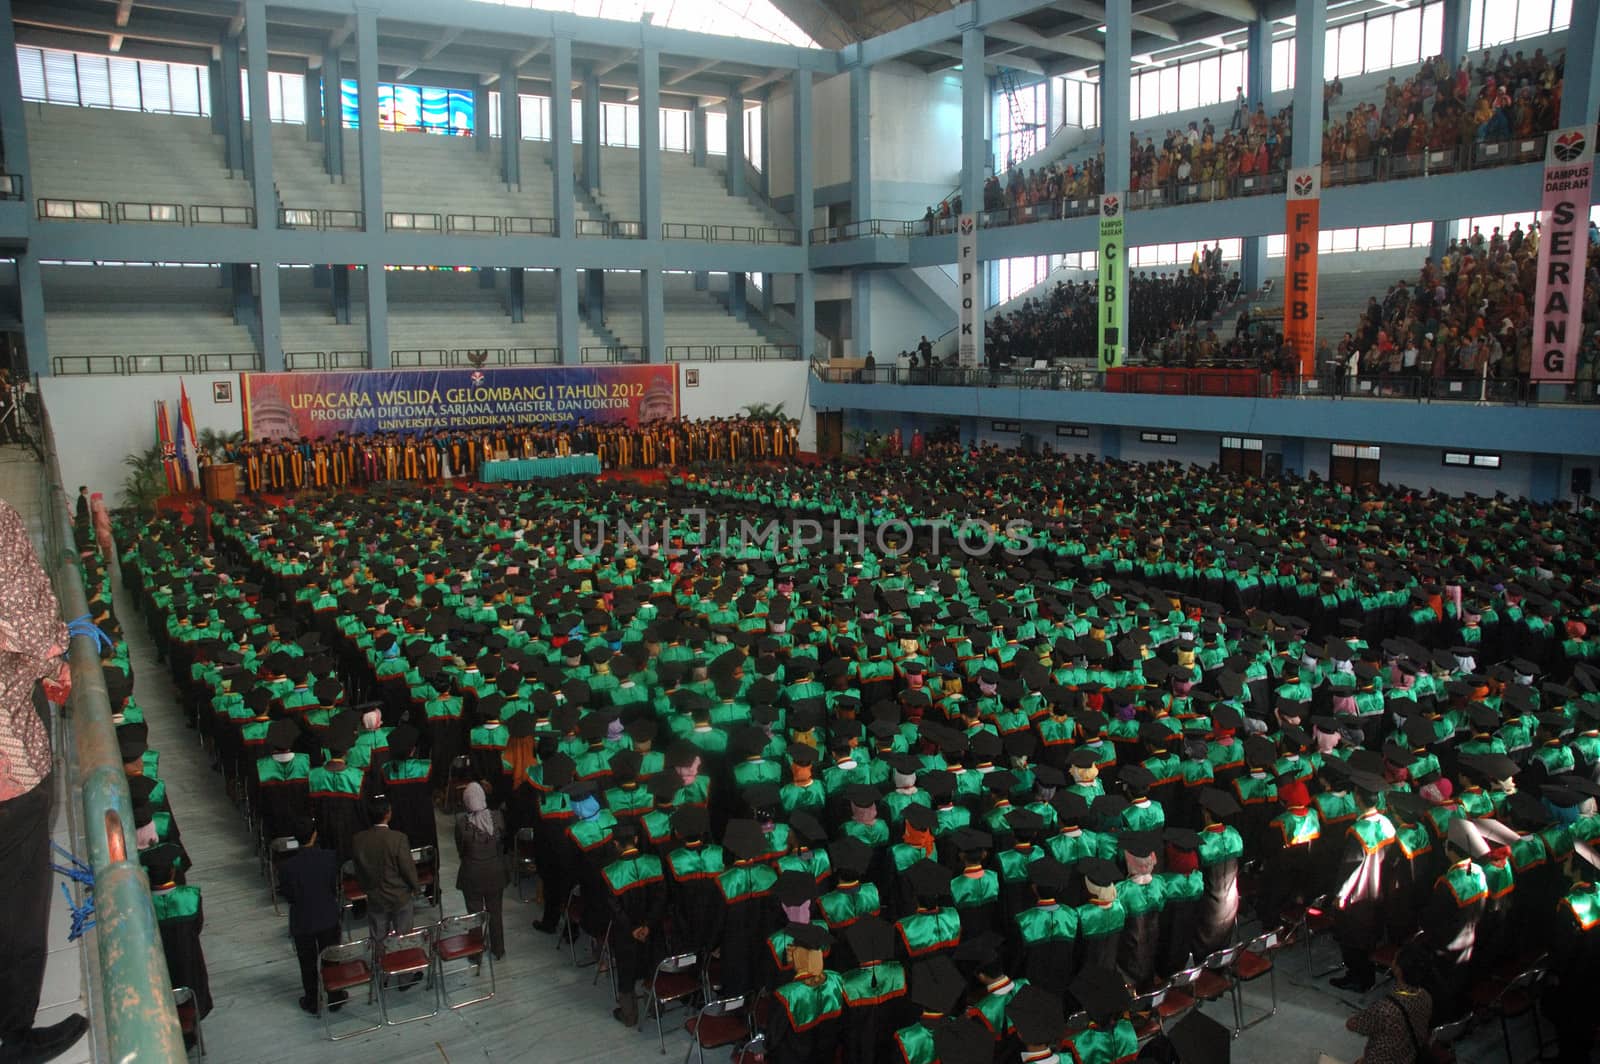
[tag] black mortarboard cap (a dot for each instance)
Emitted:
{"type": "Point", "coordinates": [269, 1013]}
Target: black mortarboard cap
{"type": "Point", "coordinates": [744, 839]}
{"type": "Point", "coordinates": [809, 936]}
{"type": "Point", "coordinates": [928, 880]}
{"type": "Point", "coordinates": [1218, 803]}
{"type": "Point", "coordinates": [795, 887]}
{"type": "Point", "coordinates": [1101, 992]}
{"type": "Point", "coordinates": [870, 939]}
{"type": "Point", "coordinates": [936, 983]}
{"type": "Point", "coordinates": [1199, 1039]}
{"type": "Point", "coordinates": [1037, 1015]}
{"type": "Point", "coordinates": [963, 1041]}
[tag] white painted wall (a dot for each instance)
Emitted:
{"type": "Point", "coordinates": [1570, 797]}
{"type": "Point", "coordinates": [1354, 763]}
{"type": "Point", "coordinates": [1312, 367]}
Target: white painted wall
{"type": "Point", "coordinates": [830, 135]}
{"type": "Point", "coordinates": [726, 388]}
{"type": "Point", "coordinates": [98, 420]}
{"type": "Point", "coordinates": [899, 319]}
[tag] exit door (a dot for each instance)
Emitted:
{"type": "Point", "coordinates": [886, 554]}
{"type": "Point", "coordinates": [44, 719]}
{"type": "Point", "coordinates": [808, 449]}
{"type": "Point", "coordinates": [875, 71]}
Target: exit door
{"type": "Point", "coordinates": [830, 433]}
{"type": "Point", "coordinates": [1354, 465]}
{"type": "Point", "coordinates": [1242, 455]}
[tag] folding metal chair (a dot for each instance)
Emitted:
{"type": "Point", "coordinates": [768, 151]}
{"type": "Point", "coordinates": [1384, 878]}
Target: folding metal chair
{"type": "Point", "coordinates": [1216, 976]}
{"type": "Point", "coordinates": [605, 963]}
{"type": "Point", "coordinates": [527, 867]}
{"type": "Point", "coordinates": [403, 956]}
{"type": "Point", "coordinates": [426, 858]}
{"type": "Point", "coordinates": [1443, 1038]}
{"type": "Point", "coordinates": [463, 938]}
{"type": "Point", "coordinates": [351, 894]}
{"type": "Point", "coordinates": [278, 849]}
{"type": "Point", "coordinates": [189, 1017]}
{"type": "Point", "coordinates": [1250, 964]}
{"type": "Point", "coordinates": [344, 967]}
{"type": "Point", "coordinates": [675, 980]}
{"type": "Point", "coordinates": [568, 929]}
{"type": "Point", "coordinates": [1179, 999]}
{"type": "Point", "coordinates": [1519, 997]}
{"type": "Point", "coordinates": [1145, 1010]}
{"type": "Point", "coordinates": [718, 1023]}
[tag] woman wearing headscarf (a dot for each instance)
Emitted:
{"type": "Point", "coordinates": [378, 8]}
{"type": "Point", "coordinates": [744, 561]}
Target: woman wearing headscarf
{"type": "Point", "coordinates": [482, 879]}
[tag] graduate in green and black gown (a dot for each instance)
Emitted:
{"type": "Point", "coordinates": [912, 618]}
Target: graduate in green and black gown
{"type": "Point", "coordinates": [807, 1017]}
{"type": "Point", "coordinates": [875, 993]}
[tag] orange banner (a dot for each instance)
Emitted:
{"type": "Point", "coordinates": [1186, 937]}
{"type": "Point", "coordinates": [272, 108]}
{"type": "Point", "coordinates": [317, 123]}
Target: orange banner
{"type": "Point", "coordinates": [1300, 268]}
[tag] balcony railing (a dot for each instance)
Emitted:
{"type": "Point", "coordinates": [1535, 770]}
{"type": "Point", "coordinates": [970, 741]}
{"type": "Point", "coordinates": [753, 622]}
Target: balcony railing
{"type": "Point", "coordinates": [125, 365]}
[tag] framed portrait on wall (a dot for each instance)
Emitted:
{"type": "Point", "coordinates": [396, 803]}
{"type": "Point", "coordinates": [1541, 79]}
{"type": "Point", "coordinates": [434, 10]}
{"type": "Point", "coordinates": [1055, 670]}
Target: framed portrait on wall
{"type": "Point", "coordinates": [691, 378]}
{"type": "Point", "coordinates": [221, 392]}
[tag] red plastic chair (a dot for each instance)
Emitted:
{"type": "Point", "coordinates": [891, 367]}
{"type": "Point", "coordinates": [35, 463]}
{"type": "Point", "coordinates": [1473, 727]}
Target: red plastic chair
{"type": "Point", "coordinates": [463, 938]}
{"type": "Point", "coordinates": [344, 967]}
{"type": "Point", "coordinates": [717, 1024]}
{"type": "Point", "coordinates": [676, 980]}
{"type": "Point", "coordinates": [1251, 963]}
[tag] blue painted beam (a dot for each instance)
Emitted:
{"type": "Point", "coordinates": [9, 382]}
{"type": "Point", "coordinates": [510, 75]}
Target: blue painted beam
{"type": "Point", "coordinates": [1115, 104]}
{"type": "Point", "coordinates": [311, 86]}
{"type": "Point", "coordinates": [232, 107]}
{"type": "Point", "coordinates": [377, 315]}
{"type": "Point", "coordinates": [698, 148]}
{"type": "Point", "coordinates": [860, 143]}
{"type": "Point", "coordinates": [944, 26]}
{"type": "Point", "coordinates": [591, 129]}
{"type": "Point", "coordinates": [333, 100]}
{"type": "Point", "coordinates": [974, 105]}
{"type": "Point", "coordinates": [805, 289]}
{"type": "Point", "coordinates": [1455, 31]}
{"type": "Point", "coordinates": [1535, 430]}
{"type": "Point", "coordinates": [30, 294]}
{"type": "Point", "coordinates": [653, 315]}
{"type": "Point", "coordinates": [269, 318]}
{"type": "Point", "coordinates": [735, 142]}
{"type": "Point", "coordinates": [567, 315]}
{"type": "Point", "coordinates": [510, 126]}
{"type": "Point", "coordinates": [497, 20]}
{"type": "Point", "coordinates": [1580, 94]}
{"type": "Point", "coordinates": [13, 113]}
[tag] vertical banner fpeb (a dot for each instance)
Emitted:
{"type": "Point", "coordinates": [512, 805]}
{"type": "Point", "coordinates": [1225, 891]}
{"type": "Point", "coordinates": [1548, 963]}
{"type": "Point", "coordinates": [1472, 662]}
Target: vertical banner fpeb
{"type": "Point", "coordinates": [1563, 254]}
{"type": "Point", "coordinates": [969, 342]}
{"type": "Point", "coordinates": [1113, 282]}
{"type": "Point", "coordinates": [1300, 269]}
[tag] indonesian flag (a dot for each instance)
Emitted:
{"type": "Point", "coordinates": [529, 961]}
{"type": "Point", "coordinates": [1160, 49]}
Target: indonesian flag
{"type": "Point", "coordinates": [169, 453]}
{"type": "Point", "coordinates": [188, 439]}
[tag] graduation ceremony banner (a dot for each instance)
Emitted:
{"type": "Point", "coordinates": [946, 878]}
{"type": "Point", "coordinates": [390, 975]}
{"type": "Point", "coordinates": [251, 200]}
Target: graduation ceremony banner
{"type": "Point", "coordinates": [1302, 225]}
{"type": "Point", "coordinates": [408, 401]}
{"type": "Point", "coordinates": [1113, 281]}
{"type": "Point", "coordinates": [1563, 255]}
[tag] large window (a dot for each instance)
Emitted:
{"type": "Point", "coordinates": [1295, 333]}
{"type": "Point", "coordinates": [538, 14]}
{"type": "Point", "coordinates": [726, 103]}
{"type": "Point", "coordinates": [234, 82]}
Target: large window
{"type": "Point", "coordinates": [75, 79]}
{"type": "Point", "coordinates": [406, 108]}
{"type": "Point", "coordinates": [1367, 238]}
{"type": "Point", "coordinates": [1019, 123]}
{"type": "Point", "coordinates": [1074, 102]}
{"type": "Point", "coordinates": [1181, 254]}
{"type": "Point", "coordinates": [1496, 22]}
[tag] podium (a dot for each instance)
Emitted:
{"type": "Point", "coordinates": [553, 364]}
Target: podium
{"type": "Point", "coordinates": [221, 482]}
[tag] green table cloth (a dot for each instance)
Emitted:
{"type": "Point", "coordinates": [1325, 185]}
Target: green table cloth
{"type": "Point", "coordinates": [514, 469]}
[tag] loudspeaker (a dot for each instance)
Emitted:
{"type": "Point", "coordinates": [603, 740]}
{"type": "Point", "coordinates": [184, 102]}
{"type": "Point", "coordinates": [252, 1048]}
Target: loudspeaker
{"type": "Point", "coordinates": [1582, 480]}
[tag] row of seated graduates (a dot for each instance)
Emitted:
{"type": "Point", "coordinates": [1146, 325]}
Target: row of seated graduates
{"type": "Point", "coordinates": [762, 804]}
{"type": "Point", "coordinates": [180, 911]}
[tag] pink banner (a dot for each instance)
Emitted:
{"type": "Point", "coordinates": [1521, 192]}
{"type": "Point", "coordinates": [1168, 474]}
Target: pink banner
{"type": "Point", "coordinates": [1563, 255]}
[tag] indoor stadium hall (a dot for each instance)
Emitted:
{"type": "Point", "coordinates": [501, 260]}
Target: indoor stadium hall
{"type": "Point", "coordinates": [799, 531]}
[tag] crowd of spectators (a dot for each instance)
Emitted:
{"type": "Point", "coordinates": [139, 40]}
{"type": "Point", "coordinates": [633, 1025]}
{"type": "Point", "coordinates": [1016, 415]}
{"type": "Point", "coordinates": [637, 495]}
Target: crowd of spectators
{"type": "Point", "coordinates": [1468, 315]}
{"type": "Point", "coordinates": [1062, 323]}
{"type": "Point", "coordinates": [1434, 109]}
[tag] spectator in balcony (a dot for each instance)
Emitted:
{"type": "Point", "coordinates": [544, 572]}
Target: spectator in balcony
{"type": "Point", "coordinates": [1241, 109]}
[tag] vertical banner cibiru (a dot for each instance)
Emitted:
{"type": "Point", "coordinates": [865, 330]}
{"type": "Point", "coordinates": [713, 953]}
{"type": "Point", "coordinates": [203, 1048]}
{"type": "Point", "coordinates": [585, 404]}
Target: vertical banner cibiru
{"type": "Point", "coordinates": [1113, 282]}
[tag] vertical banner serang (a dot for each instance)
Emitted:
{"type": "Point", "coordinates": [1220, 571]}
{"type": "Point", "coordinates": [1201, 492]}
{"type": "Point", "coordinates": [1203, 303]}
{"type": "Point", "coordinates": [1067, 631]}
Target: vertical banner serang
{"type": "Point", "coordinates": [969, 341]}
{"type": "Point", "coordinates": [1113, 281]}
{"type": "Point", "coordinates": [1302, 225]}
{"type": "Point", "coordinates": [1563, 256]}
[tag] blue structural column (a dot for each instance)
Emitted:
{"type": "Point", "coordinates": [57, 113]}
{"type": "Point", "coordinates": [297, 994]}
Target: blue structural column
{"type": "Point", "coordinates": [214, 93]}
{"type": "Point", "coordinates": [698, 149]}
{"type": "Point", "coordinates": [311, 86]}
{"type": "Point", "coordinates": [974, 103]}
{"type": "Point", "coordinates": [738, 295]}
{"type": "Point", "coordinates": [591, 129]}
{"type": "Point", "coordinates": [1580, 94]}
{"type": "Point", "coordinates": [594, 297]}
{"type": "Point", "coordinates": [650, 143]}
{"type": "Point", "coordinates": [1258, 81]}
{"type": "Point", "coordinates": [510, 126]}
{"type": "Point", "coordinates": [372, 180]}
{"type": "Point", "coordinates": [861, 201]}
{"type": "Point", "coordinates": [805, 289]}
{"type": "Point", "coordinates": [232, 106]}
{"type": "Point", "coordinates": [735, 118]}
{"type": "Point", "coordinates": [1454, 45]}
{"type": "Point", "coordinates": [480, 118]}
{"type": "Point", "coordinates": [266, 196]}
{"type": "Point", "coordinates": [333, 103]}
{"type": "Point", "coordinates": [255, 34]}
{"type": "Point", "coordinates": [563, 202]}
{"type": "Point", "coordinates": [339, 294]}
{"type": "Point", "coordinates": [652, 307]}
{"type": "Point", "coordinates": [516, 294]}
{"type": "Point", "coordinates": [14, 131]}
{"type": "Point", "coordinates": [1114, 93]}
{"type": "Point", "coordinates": [765, 154]}
{"type": "Point", "coordinates": [1310, 44]}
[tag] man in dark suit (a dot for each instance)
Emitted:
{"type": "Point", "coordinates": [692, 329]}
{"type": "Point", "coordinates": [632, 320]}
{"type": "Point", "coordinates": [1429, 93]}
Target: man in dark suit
{"type": "Point", "coordinates": [309, 879]}
{"type": "Point", "coordinates": [384, 868]}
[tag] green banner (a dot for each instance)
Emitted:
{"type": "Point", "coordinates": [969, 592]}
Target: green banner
{"type": "Point", "coordinates": [1113, 283]}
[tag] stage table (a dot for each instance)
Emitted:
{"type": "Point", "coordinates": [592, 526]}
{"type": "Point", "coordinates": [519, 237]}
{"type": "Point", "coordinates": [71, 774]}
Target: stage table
{"type": "Point", "coordinates": [518, 469]}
